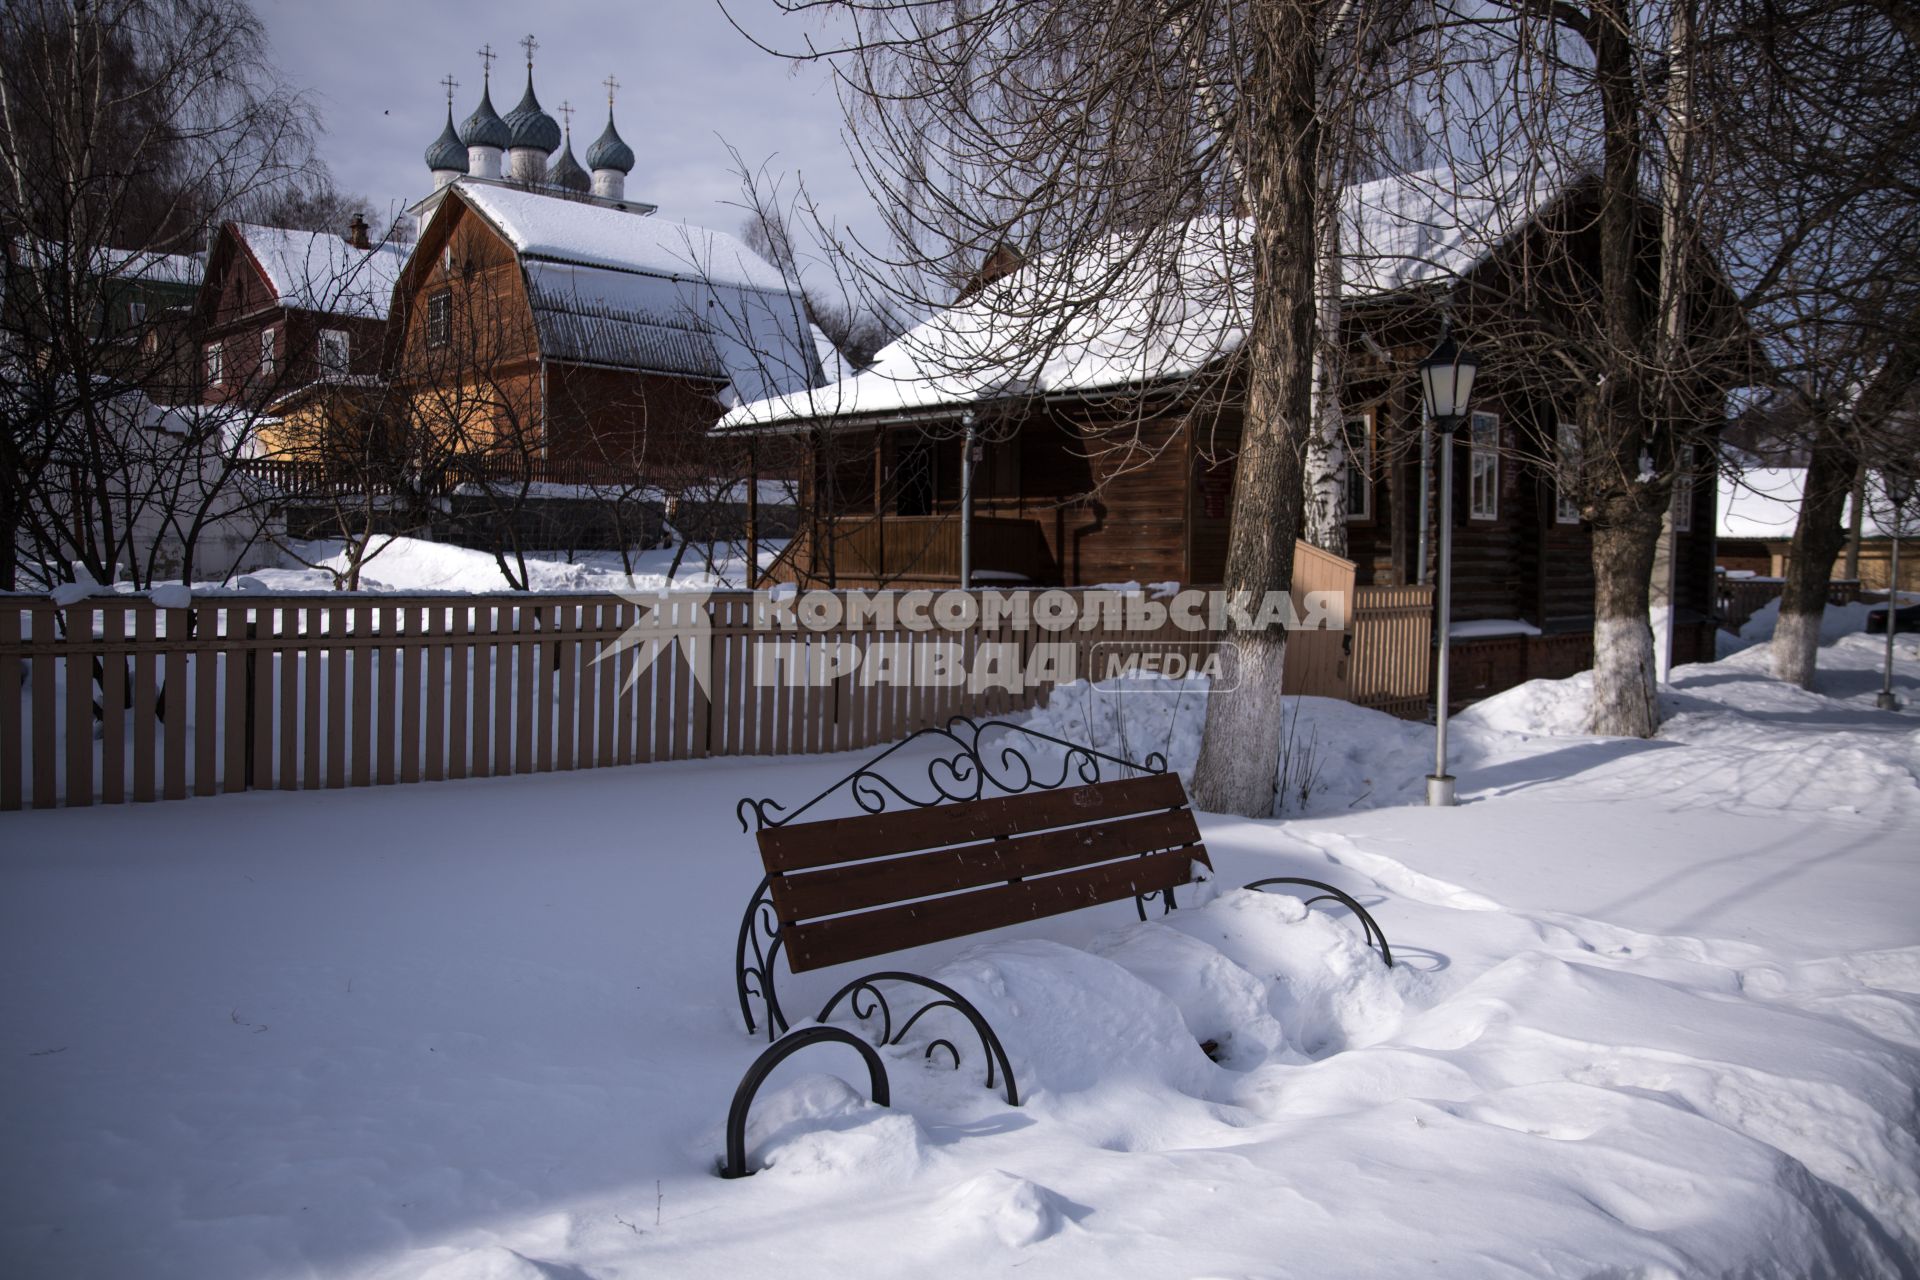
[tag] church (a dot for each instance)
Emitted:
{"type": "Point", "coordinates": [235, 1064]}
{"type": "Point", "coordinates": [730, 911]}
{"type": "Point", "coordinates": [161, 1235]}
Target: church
{"type": "Point", "coordinates": [548, 327]}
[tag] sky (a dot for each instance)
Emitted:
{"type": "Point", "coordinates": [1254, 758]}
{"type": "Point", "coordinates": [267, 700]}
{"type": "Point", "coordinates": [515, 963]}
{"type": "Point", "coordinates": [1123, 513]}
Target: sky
{"type": "Point", "coordinates": [690, 85]}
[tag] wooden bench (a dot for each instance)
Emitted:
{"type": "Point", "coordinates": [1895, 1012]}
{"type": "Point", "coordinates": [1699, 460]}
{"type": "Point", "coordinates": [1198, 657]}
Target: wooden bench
{"type": "Point", "coordinates": [954, 860]}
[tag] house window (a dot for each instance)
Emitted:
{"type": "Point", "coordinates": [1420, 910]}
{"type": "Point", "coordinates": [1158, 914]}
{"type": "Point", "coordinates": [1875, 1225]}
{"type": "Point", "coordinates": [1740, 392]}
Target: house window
{"type": "Point", "coordinates": [1359, 433]}
{"type": "Point", "coordinates": [440, 318]}
{"type": "Point", "coordinates": [334, 351]}
{"type": "Point", "coordinates": [1483, 468]}
{"type": "Point", "coordinates": [269, 354]}
{"type": "Point", "coordinates": [1566, 489]}
{"type": "Point", "coordinates": [216, 365]}
{"type": "Point", "coordinates": [1683, 498]}
{"type": "Point", "coordinates": [136, 313]}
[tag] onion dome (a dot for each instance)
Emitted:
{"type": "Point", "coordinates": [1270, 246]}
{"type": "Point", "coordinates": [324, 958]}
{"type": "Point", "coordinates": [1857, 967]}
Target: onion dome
{"type": "Point", "coordinates": [485, 128]}
{"type": "Point", "coordinates": [447, 152]}
{"type": "Point", "coordinates": [609, 150]}
{"type": "Point", "coordinates": [567, 173]}
{"type": "Point", "coordinates": [531, 128]}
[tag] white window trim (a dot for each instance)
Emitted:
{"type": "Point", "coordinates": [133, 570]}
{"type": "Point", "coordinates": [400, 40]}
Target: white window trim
{"type": "Point", "coordinates": [440, 298]}
{"type": "Point", "coordinates": [1491, 453]}
{"type": "Point", "coordinates": [1566, 449]}
{"type": "Point", "coordinates": [1682, 504]}
{"type": "Point", "coordinates": [1363, 459]}
{"type": "Point", "coordinates": [325, 348]}
{"type": "Point", "coordinates": [216, 364]}
{"type": "Point", "coordinates": [269, 352]}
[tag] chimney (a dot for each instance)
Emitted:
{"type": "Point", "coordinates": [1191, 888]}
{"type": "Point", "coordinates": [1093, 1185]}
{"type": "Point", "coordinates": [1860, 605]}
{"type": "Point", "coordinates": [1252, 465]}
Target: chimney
{"type": "Point", "coordinates": [357, 233]}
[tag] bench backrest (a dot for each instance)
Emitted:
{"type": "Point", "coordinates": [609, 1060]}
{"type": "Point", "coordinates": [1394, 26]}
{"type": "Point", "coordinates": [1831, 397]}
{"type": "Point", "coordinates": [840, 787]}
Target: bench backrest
{"type": "Point", "coordinates": [851, 888]}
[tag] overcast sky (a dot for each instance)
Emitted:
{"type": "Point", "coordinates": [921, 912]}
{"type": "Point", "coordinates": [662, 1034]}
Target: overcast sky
{"type": "Point", "coordinates": [690, 85]}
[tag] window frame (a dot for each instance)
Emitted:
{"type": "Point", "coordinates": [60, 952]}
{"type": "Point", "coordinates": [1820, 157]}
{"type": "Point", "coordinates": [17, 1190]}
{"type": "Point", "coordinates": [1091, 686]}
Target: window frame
{"type": "Point", "coordinates": [1566, 452]}
{"type": "Point", "coordinates": [1680, 506]}
{"type": "Point", "coordinates": [1478, 453]}
{"type": "Point", "coordinates": [324, 348]}
{"type": "Point", "coordinates": [268, 366]}
{"type": "Point", "coordinates": [1360, 464]}
{"type": "Point", "coordinates": [439, 327]}
{"type": "Point", "coordinates": [213, 361]}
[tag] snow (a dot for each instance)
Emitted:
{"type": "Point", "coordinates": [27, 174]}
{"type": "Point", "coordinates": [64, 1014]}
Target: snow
{"type": "Point", "coordinates": [1764, 503]}
{"type": "Point", "coordinates": [1488, 627]}
{"type": "Point", "coordinates": [414, 565]}
{"type": "Point", "coordinates": [613, 287]}
{"type": "Point", "coordinates": [1133, 309]}
{"type": "Point", "coordinates": [561, 230]}
{"type": "Point", "coordinates": [1657, 1014]}
{"type": "Point", "coordinates": [320, 271]}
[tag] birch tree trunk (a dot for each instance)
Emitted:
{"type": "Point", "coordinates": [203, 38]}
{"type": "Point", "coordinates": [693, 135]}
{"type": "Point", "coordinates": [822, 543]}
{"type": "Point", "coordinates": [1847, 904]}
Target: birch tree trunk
{"type": "Point", "coordinates": [1239, 751]}
{"type": "Point", "coordinates": [1324, 523]}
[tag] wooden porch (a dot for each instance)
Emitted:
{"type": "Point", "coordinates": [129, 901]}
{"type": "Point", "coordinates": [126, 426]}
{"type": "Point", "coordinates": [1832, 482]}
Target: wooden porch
{"type": "Point", "coordinates": [866, 552]}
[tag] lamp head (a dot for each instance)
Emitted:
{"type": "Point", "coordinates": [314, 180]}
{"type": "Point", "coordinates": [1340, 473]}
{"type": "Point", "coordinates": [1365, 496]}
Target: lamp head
{"type": "Point", "coordinates": [1446, 380]}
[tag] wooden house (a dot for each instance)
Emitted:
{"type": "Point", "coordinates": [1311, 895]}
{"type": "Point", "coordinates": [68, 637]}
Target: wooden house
{"type": "Point", "coordinates": [544, 328]}
{"type": "Point", "coordinates": [1109, 457]}
{"type": "Point", "coordinates": [284, 312]}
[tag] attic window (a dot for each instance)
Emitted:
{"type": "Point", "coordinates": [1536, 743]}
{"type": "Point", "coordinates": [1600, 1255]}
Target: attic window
{"type": "Point", "coordinates": [216, 364]}
{"type": "Point", "coordinates": [440, 318]}
{"type": "Point", "coordinates": [335, 352]}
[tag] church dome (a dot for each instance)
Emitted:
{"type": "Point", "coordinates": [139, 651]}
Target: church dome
{"type": "Point", "coordinates": [530, 127]}
{"type": "Point", "coordinates": [567, 173]}
{"type": "Point", "coordinates": [447, 151]}
{"type": "Point", "coordinates": [485, 128]}
{"type": "Point", "coordinates": [609, 150]}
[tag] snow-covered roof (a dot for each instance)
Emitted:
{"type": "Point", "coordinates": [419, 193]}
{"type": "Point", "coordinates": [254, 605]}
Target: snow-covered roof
{"type": "Point", "coordinates": [124, 264]}
{"type": "Point", "coordinates": [320, 271]}
{"type": "Point", "coordinates": [1764, 503]}
{"type": "Point", "coordinates": [612, 287]}
{"type": "Point", "coordinates": [1123, 314]}
{"type": "Point", "coordinates": [578, 231]}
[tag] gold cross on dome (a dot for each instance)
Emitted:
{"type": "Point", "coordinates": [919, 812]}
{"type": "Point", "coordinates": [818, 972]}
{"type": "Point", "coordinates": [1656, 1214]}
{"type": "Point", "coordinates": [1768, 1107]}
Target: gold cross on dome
{"type": "Point", "coordinates": [450, 84]}
{"type": "Point", "coordinates": [487, 55]}
{"type": "Point", "coordinates": [612, 87]}
{"type": "Point", "coordinates": [529, 44]}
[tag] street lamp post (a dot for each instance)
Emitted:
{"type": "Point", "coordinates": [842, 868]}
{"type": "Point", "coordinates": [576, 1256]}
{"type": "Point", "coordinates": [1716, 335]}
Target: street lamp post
{"type": "Point", "coordinates": [1446, 385]}
{"type": "Point", "coordinates": [1898, 485]}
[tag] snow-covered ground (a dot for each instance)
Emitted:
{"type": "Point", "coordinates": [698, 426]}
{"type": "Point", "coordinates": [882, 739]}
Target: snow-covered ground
{"type": "Point", "coordinates": [1657, 1014]}
{"type": "Point", "coordinates": [412, 564]}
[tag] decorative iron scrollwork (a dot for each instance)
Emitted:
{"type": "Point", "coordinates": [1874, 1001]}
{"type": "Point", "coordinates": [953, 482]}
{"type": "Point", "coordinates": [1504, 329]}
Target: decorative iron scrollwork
{"type": "Point", "coordinates": [947, 998]}
{"type": "Point", "coordinates": [974, 755]}
{"type": "Point", "coordinates": [1371, 930]}
{"type": "Point", "coordinates": [962, 771]}
{"type": "Point", "coordinates": [754, 954]}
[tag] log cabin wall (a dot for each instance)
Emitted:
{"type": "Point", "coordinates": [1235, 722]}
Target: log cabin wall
{"type": "Point", "coordinates": [238, 303]}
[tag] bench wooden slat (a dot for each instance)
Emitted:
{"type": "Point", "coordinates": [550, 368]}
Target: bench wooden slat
{"type": "Point", "coordinates": [872, 933]}
{"type": "Point", "coordinates": [859, 885]}
{"type": "Point", "coordinates": [818, 844]}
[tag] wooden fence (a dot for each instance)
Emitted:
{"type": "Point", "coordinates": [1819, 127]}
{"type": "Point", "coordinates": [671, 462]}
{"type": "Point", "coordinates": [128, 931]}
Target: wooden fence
{"type": "Point", "coordinates": [117, 700]}
{"type": "Point", "coordinates": [1738, 599]}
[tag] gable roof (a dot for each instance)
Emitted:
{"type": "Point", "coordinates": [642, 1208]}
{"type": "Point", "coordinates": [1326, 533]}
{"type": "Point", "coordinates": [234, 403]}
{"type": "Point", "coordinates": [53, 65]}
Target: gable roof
{"type": "Point", "coordinates": [616, 288]}
{"type": "Point", "coordinates": [1125, 317]}
{"type": "Point", "coordinates": [320, 271]}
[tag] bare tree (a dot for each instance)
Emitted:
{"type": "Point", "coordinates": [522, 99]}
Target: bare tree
{"type": "Point", "coordinates": [1116, 149]}
{"type": "Point", "coordinates": [127, 129]}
